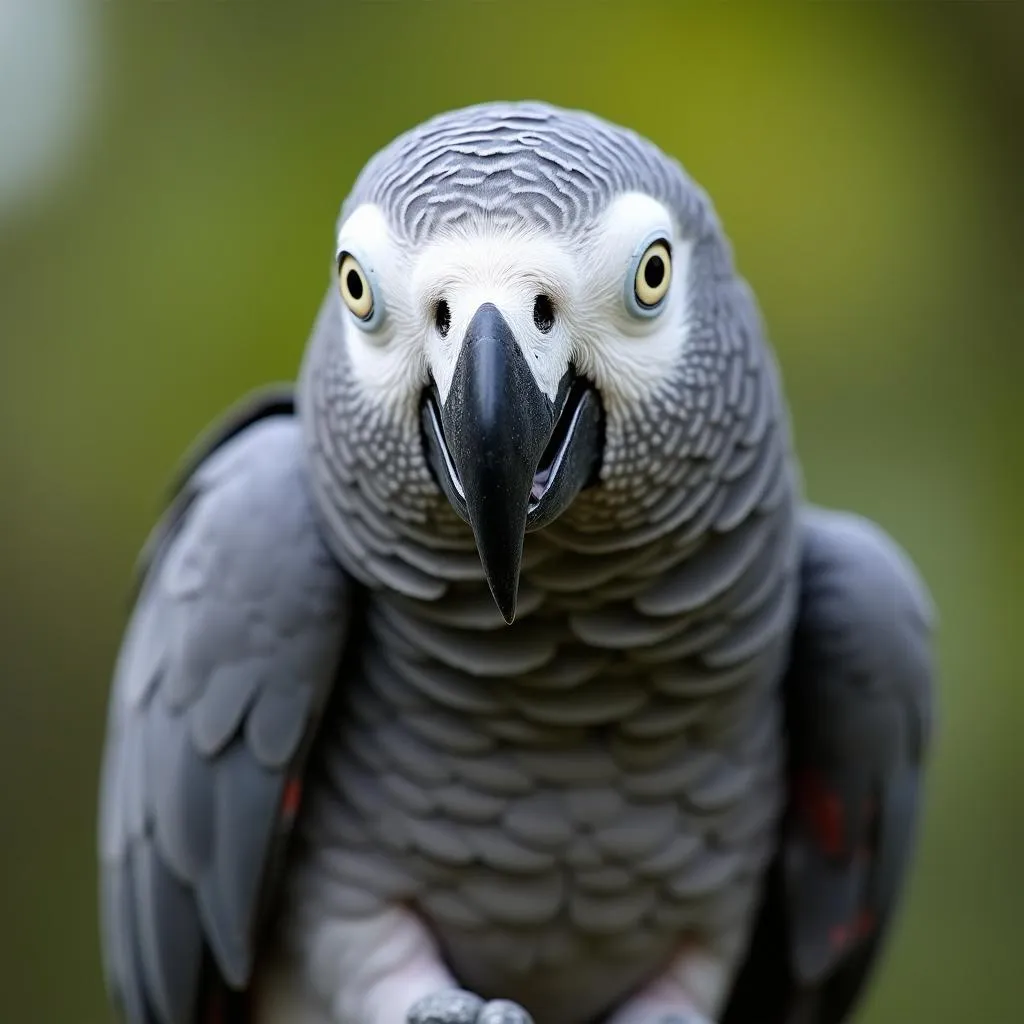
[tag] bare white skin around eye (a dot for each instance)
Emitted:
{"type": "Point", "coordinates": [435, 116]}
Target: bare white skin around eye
{"type": "Point", "coordinates": [628, 356]}
{"type": "Point", "coordinates": [387, 357]}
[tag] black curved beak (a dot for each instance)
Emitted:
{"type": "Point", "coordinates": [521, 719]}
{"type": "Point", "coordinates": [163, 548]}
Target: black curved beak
{"type": "Point", "coordinates": [508, 457]}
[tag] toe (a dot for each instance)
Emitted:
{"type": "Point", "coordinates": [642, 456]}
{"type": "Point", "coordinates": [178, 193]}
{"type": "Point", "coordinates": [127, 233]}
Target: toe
{"type": "Point", "coordinates": [454, 1006]}
{"type": "Point", "coordinates": [503, 1011]}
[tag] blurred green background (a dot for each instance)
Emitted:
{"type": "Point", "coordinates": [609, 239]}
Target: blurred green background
{"type": "Point", "coordinates": [169, 177]}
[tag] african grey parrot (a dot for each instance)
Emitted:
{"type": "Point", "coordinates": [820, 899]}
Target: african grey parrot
{"type": "Point", "coordinates": [499, 669]}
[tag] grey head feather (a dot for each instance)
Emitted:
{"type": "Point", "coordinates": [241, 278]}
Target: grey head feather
{"type": "Point", "coordinates": [516, 162]}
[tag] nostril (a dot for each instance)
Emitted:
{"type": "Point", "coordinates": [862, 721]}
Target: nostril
{"type": "Point", "coordinates": [543, 314]}
{"type": "Point", "coordinates": [442, 318]}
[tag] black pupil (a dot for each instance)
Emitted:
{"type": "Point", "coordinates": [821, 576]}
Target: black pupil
{"type": "Point", "coordinates": [442, 317]}
{"type": "Point", "coordinates": [654, 272]}
{"type": "Point", "coordinates": [543, 314]}
{"type": "Point", "coordinates": [354, 283]}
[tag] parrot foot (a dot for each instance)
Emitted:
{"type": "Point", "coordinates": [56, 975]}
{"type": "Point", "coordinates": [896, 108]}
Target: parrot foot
{"type": "Point", "coordinates": [456, 1006]}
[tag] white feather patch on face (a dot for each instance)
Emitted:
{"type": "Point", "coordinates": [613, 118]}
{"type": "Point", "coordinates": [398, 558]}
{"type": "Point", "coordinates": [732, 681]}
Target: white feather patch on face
{"type": "Point", "coordinates": [508, 268]}
{"type": "Point", "coordinates": [629, 356]}
{"type": "Point", "coordinates": [586, 279]}
{"type": "Point", "coordinates": [388, 358]}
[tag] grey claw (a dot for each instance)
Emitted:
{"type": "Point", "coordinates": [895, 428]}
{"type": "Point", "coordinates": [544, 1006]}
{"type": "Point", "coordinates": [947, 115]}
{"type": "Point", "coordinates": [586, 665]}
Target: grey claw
{"type": "Point", "coordinates": [503, 1011]}
{"type": "Point", "coordinates": [453, 1006]}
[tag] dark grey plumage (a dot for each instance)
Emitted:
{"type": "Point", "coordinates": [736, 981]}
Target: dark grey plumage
{"type": "Point", "coordinates": [216, 697]}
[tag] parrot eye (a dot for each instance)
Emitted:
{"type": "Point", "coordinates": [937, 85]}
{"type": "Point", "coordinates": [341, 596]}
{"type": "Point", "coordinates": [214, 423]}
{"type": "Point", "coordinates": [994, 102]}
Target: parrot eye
{"type": "Point", "coordinates": [355, 288]}
{"type": "Point", "coordinates": [653, 275]}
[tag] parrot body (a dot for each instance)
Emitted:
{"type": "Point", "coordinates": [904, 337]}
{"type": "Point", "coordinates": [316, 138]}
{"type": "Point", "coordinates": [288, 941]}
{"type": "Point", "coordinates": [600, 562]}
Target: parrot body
{"type": "Point", "coordinates": [343, 786]}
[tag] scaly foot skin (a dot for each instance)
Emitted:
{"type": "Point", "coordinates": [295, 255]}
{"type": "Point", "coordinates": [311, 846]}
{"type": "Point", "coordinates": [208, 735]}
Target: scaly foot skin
{"type": "Point", "coordinates": [456, 1006]}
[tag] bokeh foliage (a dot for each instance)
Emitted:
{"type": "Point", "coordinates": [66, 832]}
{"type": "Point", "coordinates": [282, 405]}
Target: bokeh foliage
{"type": "Point", "coordinates": [866, 159]}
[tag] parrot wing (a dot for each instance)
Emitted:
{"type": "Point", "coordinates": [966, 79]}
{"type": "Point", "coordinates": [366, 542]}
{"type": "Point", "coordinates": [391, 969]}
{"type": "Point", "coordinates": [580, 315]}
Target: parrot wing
{"type": "Point", "coordinates": [859, 695]}
{"type": "Point", "coordinates": [228, 660]}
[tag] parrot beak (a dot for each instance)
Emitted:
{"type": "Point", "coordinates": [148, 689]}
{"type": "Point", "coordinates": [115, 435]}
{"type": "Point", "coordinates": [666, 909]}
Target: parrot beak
{"type": "Point", "coordinates": [509, 458]}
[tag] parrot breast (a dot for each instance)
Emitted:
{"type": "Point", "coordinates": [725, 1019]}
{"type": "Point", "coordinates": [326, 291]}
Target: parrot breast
{"type": "Point", "coordinates": [560, 791]}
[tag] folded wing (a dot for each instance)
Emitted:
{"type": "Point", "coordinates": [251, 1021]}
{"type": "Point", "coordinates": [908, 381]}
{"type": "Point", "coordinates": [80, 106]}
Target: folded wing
{"type": "Point", "coordinates": [231, 652]}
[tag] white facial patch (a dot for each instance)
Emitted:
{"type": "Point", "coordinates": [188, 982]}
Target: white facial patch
{"type": "Point", "coordinates": [387, 357]}
{"type": "Point", "coordinates": [627, 355]}
{"type": "Point", "coordinates": [509, 269]}
{"type": "Point", "coordinates": [588, 280]}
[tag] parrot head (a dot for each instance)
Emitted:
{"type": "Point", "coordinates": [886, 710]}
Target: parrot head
{"type": "Point", "coordinates": [526, 299]}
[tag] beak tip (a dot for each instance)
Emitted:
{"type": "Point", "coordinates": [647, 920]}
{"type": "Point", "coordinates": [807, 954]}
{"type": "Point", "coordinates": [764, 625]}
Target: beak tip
{"type": "Point", "coordinates": [505, 599]}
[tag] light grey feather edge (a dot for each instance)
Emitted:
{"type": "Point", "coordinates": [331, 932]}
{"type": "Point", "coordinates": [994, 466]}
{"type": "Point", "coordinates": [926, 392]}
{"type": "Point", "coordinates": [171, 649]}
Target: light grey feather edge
{"type": "Point", "coordinates": [229, 656]}
{"type": "Point", "coordinates": [865, 691]}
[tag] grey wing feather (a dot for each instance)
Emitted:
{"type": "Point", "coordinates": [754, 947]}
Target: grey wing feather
{"type": "Point", "coordinates": [859, 695]}
{"type": "Point", "coordinates": [229, 657]}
